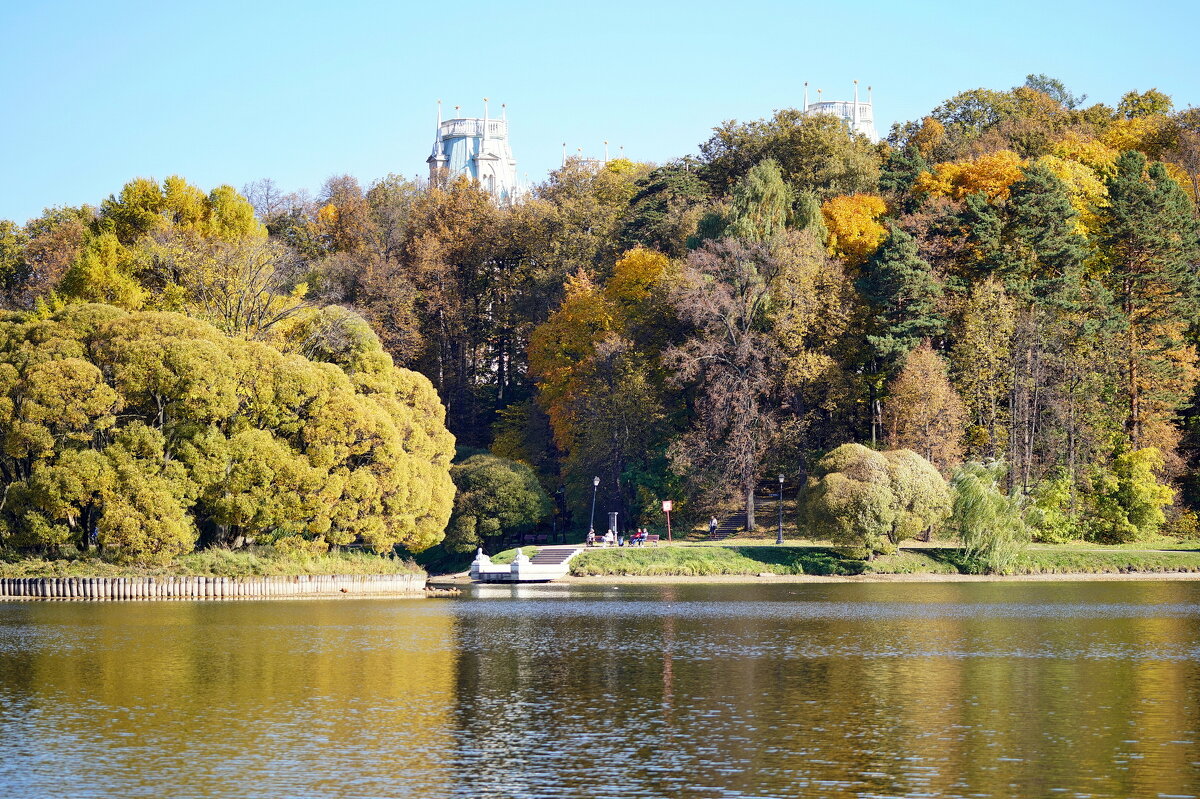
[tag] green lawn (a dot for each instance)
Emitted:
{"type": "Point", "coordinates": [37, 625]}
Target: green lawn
{"type": "Point", "coordinates": [746, 559]}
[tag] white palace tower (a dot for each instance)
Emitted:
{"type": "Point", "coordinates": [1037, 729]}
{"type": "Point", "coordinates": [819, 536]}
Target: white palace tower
{"type": "Point", "coordinates": [477, 148]}
{"type": "Point", "coordinates": [859, 116]}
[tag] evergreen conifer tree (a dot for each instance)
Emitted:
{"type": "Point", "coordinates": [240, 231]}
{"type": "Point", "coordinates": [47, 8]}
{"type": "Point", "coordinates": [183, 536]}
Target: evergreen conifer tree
{"type": "Point", "coordinates": [903, 293]}
{"type": "Point", "coordinates": [1149, 243]}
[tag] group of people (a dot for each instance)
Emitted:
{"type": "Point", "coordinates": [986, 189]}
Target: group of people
{"type": "Point", "coordinates": [607, 540]}
{"type": "Point", "coordinates": [636, 539]}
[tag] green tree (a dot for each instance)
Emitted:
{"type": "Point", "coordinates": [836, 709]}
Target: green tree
{"type": "Point", "coordinates": [903, 294]}
{"type": "Point", "coordinates": [1143, 104]}
{"type": "Point", "coordinates": [816, 152]}
{"type": "Point", "coordinates": [1126, 501]}
{"type": "Point", "coordinates": [991, 525]}
{"type": "Point", "coordinates": [1055, 89]}
{"type": "Point", "coordinates": [762, 204]}
{"type": "Point", "coordinates": [496, 497]}
{"type": "Point", "coordinates": [141, 432]}
{"type": "Point", "coordinates": [1149, 243]}
{"type": "Point", "coordinates": [666, 209]}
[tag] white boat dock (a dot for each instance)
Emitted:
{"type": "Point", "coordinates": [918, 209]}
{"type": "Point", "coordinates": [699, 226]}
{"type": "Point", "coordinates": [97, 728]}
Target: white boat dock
{"type": "Point", "coordinates": [550, 563]}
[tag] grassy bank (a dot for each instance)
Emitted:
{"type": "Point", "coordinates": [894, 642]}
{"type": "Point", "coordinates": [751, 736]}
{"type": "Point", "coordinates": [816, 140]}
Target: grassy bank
{"type": "Point", "coordinates": [263, 562]}
{"type": "Point", "coordinates": [685, 560]}
{"type": "Point", "coordinates": [1068, 561]}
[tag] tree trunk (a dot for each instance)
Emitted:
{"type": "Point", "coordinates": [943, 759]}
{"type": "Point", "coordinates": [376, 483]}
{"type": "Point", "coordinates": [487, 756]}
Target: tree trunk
{"type": "Point", "coordinates": [750, 510]}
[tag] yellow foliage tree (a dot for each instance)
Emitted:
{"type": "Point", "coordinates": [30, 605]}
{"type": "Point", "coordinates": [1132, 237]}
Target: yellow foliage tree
{"type": "Point", "coordinates": [1089, 196]}
{"type": "Point", "coordinates": [1092, 153]}
{"type": "Point", "coordinates": [563, 343]}
{"type": "Point", "coordinates": [991, 174]}
{"type": "Point", "coordinates": [854, 227]}
{"type": "Point", "coordinates": [923, 412]}
{"type": "Point", "coordinates": [1151, 135]}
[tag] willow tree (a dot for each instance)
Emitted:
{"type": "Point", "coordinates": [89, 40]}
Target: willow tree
{"type": "Point", "coordinates": [990, 523]}
{"type": "Point", "coordinates": [762, 204]}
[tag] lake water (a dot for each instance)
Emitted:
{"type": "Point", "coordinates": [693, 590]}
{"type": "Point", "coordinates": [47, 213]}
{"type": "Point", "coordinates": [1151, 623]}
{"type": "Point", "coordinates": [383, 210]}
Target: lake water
{"type": "Point", "coordinates": [961, 689]}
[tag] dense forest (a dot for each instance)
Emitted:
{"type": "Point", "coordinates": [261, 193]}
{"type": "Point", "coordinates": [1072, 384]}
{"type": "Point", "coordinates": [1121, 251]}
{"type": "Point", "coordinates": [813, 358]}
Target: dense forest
{"type": "Point", "coordinates": [1010, 280]}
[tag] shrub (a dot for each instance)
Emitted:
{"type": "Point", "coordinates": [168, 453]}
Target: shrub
{"type": "Point", "coordinates": [859, 497]}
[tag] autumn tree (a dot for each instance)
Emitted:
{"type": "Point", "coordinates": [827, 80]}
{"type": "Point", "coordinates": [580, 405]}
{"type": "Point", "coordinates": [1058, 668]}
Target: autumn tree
{"type": "Point", "coordinates": [596, 362]}
{"type": "Point", "coordinates": [982, 369]}
{"type": "Point", "coordinates": [923, 412]}
{"type": "Point", "coordinates": [816, 315]}
{"type": "Point", "coordinates": [853, 226]}
{"type": "Point", "coordinates": [731, 364]}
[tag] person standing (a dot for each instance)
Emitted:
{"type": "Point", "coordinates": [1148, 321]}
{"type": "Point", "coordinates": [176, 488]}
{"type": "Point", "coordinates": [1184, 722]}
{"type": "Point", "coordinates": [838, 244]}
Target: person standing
{"type": "Point", "coordinates": [712, 527]}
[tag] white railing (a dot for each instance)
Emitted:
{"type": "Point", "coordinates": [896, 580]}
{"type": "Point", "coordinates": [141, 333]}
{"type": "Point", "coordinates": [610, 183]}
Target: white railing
{"type": "Point", "coordinates": [453, 128]}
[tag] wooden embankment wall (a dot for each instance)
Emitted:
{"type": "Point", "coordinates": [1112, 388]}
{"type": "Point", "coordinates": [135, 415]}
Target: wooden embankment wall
{"type": "Point", "coordinates": [149, 588]}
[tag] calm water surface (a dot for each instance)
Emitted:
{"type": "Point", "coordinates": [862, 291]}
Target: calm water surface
{"type": "Point", "coordinates": [973, 690]}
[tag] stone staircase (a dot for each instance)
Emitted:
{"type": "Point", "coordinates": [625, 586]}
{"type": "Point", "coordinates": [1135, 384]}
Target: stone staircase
{"type": "Point", "coordinates": [548, 564]}
{"type": "Point", "coordinates": [729, 526]}
{"type": "Point", "coordinates": [553, 555]}
{"type": "Point", "coordinates": [765, 497]}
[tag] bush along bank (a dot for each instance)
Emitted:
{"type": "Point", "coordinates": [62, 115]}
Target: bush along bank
{"type": "Point", "coordinates": [256, 562]}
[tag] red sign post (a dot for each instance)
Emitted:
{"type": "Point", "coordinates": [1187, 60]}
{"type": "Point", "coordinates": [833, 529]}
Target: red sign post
{"type": "Point", "coordinates": [667, 510]}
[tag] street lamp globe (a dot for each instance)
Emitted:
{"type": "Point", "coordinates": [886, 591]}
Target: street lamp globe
{"type": "Point", "coordinates": [595, 481]}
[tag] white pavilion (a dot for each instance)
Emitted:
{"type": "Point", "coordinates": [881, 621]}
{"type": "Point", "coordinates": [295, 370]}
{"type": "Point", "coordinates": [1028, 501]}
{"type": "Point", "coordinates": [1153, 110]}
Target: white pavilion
{"type": "Point", "coordinates": [477, 148]}
{"type": "Point", "coordinates": [858, 115]}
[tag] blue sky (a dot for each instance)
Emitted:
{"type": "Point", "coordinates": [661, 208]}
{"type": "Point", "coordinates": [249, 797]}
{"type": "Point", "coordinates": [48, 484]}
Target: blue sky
{"type": "Point", "coordinates": [228, 92]}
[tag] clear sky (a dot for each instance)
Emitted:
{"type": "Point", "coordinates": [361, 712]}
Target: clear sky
{"type": "Point", "coordinates": [228, 92]}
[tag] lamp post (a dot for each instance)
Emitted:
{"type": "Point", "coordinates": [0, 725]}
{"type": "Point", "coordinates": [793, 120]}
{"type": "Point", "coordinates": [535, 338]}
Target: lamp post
{"type": "Point", "coordinates": [779, 535]}
{"type": "Point", "coordinates": [558, 513]}
{"type": "Point", "coordinates": [595, 487]}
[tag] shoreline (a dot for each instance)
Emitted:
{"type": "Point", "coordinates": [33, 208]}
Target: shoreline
{"type": "Point", "coordinates": [93, 589]}
{"type": "Point", "coordinates": [1066, 577]}
{"type": "Point", "coordinates": [809, 579]}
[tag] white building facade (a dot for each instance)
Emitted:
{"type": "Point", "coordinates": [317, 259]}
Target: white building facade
{"type": "Point", "coordinates": [478, 148]}
{"type": "Point", "coordinates": [859, 116]}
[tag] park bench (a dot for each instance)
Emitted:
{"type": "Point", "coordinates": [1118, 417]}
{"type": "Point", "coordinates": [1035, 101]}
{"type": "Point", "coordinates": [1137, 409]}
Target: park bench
{"type": "Point", "coordinates": [652, 539]}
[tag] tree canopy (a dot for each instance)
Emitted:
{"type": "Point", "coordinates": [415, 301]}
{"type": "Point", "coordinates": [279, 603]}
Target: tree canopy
{"type": "Point", "coordinates": [143, 432]}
